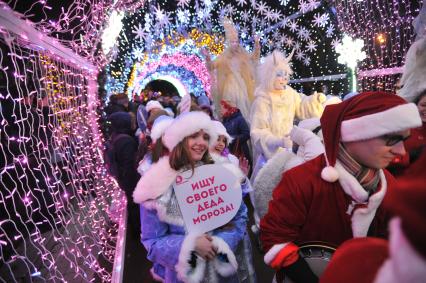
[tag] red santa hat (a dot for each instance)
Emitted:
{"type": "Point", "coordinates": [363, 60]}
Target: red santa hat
{"type": "Point", "coordinates": [365, 116]}
{"type": "Point", "coordinates": [362, 260]}
{"type": "Point", "coordinates": [407, 201]}
{"type": "Point", "coordinates": [356, 261]}
{"type": "Point", "coordinates": [187, 124]}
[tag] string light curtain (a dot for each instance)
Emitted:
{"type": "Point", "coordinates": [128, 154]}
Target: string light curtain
{"type": "Point", "coordinates": [58, 208]}
{"type": "Point", "coordinates": [387, 31]}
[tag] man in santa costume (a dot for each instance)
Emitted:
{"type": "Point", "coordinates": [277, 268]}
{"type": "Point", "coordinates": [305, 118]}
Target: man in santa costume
{"type": "Point", "coordinates": [337, 196]}
{"type": "Point", "coordinates": [402, 258]}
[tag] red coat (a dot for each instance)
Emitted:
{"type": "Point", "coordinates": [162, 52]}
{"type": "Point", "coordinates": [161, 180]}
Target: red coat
{"type": "Point", "coordinates": [415, 147]}
{"type": "Point", "coordinates": [306, 208]}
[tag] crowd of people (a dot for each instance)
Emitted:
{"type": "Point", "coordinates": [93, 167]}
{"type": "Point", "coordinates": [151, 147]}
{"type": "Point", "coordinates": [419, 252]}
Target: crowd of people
{"type": "Point", "coordinates": [313, 168]}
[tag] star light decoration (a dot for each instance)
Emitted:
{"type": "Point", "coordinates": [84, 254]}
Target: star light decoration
{"type": "Point", "coordinates": [350, 53]}
{"type": "Point", "coordinates": [303, 25]}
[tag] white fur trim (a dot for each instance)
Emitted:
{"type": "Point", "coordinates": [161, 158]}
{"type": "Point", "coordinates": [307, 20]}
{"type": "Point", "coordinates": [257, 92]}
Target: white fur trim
{"type": "Point", "coordinates": [405, 264]}
{"type": "Point", "coordinates": [225, 162]}
{"type": "Point", "coordinates": [187, 124]}
{"type": "Point", "coordinates": [268, 178]}
{"type": "Point", "coordinates": [234, 160]}
{"type": "Point", "coordinates": [183, 268]}
{"type": "Point", "coordinates": [309, 124]}
{"type": "Point", "coordinates": [152, 104]}
{"type": "Point", "coordinates": [155, 182]}
{"type": "Point", "coordinates": [220, 130]}
{"type": "Point", "coordinates": [362, 217]}
{"type": "Point", "coordinates": [350, 184]}
{"type": "Point", "coordinates": [155, 276]}
{"type": "Point", "coordinates": [159, 127]}
{"type": "Point", "coordinates": [399, 118]}
{"type": "Point", "coordinates": [331, 99]}
{"type": "Point", "coordinates": [413, 74]}
{"type": "Point", "coordinates": [224, 268]}
{"type": "Point", "coordinates": [273, 252]}
{"type": "Point", "coordinates": [329, 174]}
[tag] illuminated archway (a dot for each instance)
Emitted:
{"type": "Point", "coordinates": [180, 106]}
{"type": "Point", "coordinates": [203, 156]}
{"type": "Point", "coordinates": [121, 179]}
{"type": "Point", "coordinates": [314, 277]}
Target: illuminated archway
{"type": "Point", "coordinates": [180, 87]}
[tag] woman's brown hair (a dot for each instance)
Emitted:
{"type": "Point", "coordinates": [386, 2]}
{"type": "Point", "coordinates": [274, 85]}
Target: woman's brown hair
{"type": "Point", "coordinates": [158, 150]}
{"type": "Point", "coordinates": [180, 157]}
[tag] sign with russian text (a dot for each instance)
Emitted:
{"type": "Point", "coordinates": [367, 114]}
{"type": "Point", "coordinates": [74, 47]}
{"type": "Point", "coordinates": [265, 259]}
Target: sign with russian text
{"type": "Point", "coordinates": [209, 198]}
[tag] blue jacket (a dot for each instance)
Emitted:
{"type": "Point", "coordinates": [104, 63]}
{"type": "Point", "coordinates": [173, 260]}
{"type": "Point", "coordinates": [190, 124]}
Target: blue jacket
{"type": "Point", "coordinates": [239, 130]}
{"type": "Point", "coordinates": [163, 241]}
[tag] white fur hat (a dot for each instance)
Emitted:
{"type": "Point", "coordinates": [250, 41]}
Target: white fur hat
{"type": "Point", "coordinates": [187, 124]}
{"type": "Point", "coordinates": [152, 104]}
{"type": "Point", "coordinates": [160, 126]}
{"type": "Point", "coordinates": [221, 131]}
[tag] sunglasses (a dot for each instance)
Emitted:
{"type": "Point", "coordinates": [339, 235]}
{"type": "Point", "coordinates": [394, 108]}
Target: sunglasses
{"type": "Point", "coordinates": [391, 140]}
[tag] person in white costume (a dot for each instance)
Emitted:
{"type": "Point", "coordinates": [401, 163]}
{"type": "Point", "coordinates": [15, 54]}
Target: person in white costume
{"type": "Point", "coordinates": [275, 107]}
{"type": "Point", "coordinates": [233, 72]}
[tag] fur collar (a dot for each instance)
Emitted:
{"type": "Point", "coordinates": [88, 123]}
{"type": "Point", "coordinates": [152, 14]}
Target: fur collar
{"type": "Point", "coordinates": [363, 215]}
{"type": "Point", "coordinates": [225, 162]}
{"type": "Point", "coordinates": [155, 182]}
{"type": "Point", "coordinates": [269, 176]}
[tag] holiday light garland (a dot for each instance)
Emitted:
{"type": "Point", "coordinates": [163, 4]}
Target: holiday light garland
{"type": "Point", "coordinates": [190, 63]}
{"type": "Point", "coordinates": [58, 206]}
{"type": "Point", "coordinates": [309, 27]}
{"type": "Point", "coordinates": [387, 31]}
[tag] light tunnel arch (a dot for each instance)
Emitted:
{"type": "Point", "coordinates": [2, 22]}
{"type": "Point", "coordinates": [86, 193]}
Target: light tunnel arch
{"type": "Point", "coordinates": [179, 69]}
{"type": "Point", "coordinates": [176, 82]}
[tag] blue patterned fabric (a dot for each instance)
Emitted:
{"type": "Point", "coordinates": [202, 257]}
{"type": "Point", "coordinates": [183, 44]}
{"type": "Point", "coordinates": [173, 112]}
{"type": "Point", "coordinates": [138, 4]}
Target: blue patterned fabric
{"type": "Point", "coordinates": [163, 241]}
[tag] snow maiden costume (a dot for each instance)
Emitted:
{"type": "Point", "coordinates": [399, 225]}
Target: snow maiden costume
{"type": "Point", "coordinates": [233, 73]}
{"type": "Point", "coordinates": [275, 106]}
{"type": "Point", "coordinates": [163, 229]}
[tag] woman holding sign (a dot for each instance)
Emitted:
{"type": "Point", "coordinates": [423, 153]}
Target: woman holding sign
{"type": "Point", "coordinates": [187, 257]}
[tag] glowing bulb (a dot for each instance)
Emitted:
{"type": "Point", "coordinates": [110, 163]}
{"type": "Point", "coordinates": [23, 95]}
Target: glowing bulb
{"type": "Point", "coordinates": [381, 38]}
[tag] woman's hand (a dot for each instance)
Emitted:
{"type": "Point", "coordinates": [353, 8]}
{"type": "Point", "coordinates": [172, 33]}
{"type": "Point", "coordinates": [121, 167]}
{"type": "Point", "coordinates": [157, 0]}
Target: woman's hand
{"type": "Point", "coordinates": [244, 165]}
{"type": "Point", "coordinates": [204, 247]}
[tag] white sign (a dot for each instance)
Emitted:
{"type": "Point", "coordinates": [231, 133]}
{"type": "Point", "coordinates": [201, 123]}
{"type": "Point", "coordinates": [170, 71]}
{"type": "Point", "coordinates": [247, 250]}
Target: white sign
{"type": "Point", "coordinates": [209, 198]}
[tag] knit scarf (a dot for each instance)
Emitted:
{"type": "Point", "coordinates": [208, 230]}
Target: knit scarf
{"type": "Point", "coordinates": [367, 177]}
{"type": "Point", "coordinates": [227, 109]}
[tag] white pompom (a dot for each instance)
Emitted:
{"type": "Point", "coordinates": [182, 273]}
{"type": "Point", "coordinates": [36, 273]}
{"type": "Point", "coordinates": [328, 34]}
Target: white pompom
{"type": "Point", "coordinates": [329, 174]}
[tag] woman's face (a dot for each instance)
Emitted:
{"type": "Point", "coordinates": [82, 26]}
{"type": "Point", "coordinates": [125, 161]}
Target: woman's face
{"type": "Point", "coordinates": [281, 80]}
{"type": "Point", "coordinates": [219, 146]}
{"type": "Point", "coordinates": [421, 105]}
{"type": "Point", "coordinates": [197, 145]}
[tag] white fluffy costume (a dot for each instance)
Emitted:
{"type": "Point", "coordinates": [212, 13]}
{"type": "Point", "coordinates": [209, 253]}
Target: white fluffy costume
{"type": "Point", "coordinates": [310, 146]}
{"type": "Point", "coordinates": [273, 110]}
{"type": "Point", "coordinates": [163, 231]}
{"type": "Point", "coordinates": [233, 73]}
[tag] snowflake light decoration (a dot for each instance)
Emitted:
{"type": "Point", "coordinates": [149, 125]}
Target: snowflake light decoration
{"type": "Point", "coordinates": [110, 34]}
{"type": "Point", "coordinates": [350, 51]}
